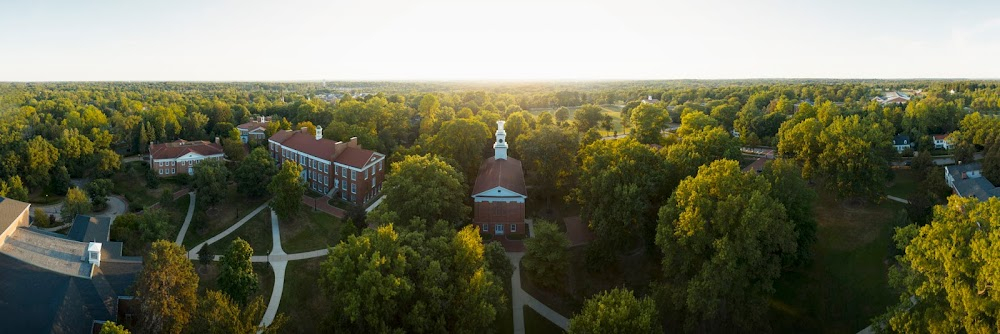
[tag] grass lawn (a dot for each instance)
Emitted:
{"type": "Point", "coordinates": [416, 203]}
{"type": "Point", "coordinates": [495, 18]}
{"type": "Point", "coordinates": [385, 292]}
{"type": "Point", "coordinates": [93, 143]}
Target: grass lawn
{"type": "Point", "coordinates": [536, 323]}
{"type": "Point", "coordinates": [633, 271]}
{"type": "Point", "coordinates": [208, 279]}
{"type": "Point", "coordinates": [905, 184]}
{"type": "Point", "coordinates": [132, 246]}
{"type": "Point", "coordinates": [612, 110]}
{"type": "Point", "coordinates": [256, 232]}
{"type": "Point", "coordinates": [131, 184]}
{"type": "Point", "coordinates": [846, 285]}
{"type": "Point", "coordinates": [43, 197]}
{"type": "Point", "coordinates": [504, 322]}
{"type": "Point", "coordinates": [302, 300]}
{"type": "Point", "coordinates": [309, 231]}
{"type": "Point", "coordinates": [227, 212]}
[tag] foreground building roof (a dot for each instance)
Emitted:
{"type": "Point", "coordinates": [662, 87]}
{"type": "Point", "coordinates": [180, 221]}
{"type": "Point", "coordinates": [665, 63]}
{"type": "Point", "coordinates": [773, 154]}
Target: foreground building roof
{"type": "Point", "coordinates": [179, 148]}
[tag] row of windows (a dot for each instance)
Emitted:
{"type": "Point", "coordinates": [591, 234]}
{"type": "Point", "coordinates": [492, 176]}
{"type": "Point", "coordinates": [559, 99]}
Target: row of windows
{"type": "Point", "coordinates": [182, 163]}
{"type": "Point", "coordinates": [325, 167]}
{"type": "Point", "coordinates": [167, 170]}
{"type": "Point", "coordinates": [499, 227]}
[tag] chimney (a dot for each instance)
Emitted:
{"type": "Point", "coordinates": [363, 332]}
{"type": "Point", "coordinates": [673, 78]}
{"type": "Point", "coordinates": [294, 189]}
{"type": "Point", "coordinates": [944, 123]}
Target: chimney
{"type": "Point", "coordinates": [500, 146]}
{"type": "Point", "coordinates": [319, 132]}
{"type": "Point", "coordinates": [304, 129]}
{"type": "Point", "coordinates": [649, 97]}
{"type": "Point", "coordinates": [353, 142]}
{"type": "Point", "coordinates": [216, 140]}
{"type": "Point", "coordinates": [262, 119]}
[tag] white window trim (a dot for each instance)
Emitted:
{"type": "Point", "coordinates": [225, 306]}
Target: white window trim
{"type": "Point", "coordinates": [513, 227]}
{"type": "Point", "coordinates": [486, 227]}
{"type": "Point", "coordinates": [354, 188]}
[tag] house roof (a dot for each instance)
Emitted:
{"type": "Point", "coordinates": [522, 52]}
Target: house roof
{"type": "Point", "coordinates": [941, 137]}
{"type": "Point", "coordinates": [757, 166]}
{"type": "Point", "coordinates": [900, 140]}
{"type": "Point", "coordinates": [335, 151]}
{"type": "Point", "coordinates": [9, 211]}
{"type": "Point", "coordinates": [252, 125]}
{"type": "Point", "coordinates": [977, 187]}
{"type": "Point", "coordinates": [87, 228]}
{"type": "Point", "coordinates": [181, 147]}
{"type": "Point", "coordinates": [957, 170]}
{"type": "Point", "coordinates": [506, 173]}
{"type": "Point", "coordinates": [35, 300]}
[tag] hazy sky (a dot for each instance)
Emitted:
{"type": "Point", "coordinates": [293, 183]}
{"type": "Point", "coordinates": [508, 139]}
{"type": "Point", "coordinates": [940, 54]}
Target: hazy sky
{"type": "Point", "coordinates": [496, 39]}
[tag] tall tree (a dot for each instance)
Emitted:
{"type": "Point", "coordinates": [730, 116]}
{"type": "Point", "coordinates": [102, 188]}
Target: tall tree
{"type": "Point", "coordinates": [619, 190]}
{"type": "Point", "coordinates": [110, 327]}
{"type": "Point", "coordinates": [699, 148]}
{"type": "Point", "coordinates": [211, 180]}
{"type": "Point", "coordinates": [237, 278]}
{"type": "Point", "coordinates": [425, 187]}
{"type": "Point", "coordinates": [219, 314]}
{"type": "Point", "coordinates": [41, 157]}
{"type": "Point", "coordinates": [549, 157]}
{"type": "Point", "coordinates": [98, 190]}
{"type": "Point", "coordinates": [616, 311]}
{"type": "Point", "coordinates": [287, 188]}
{"type": "Point", "coordinates": [723, 239]}
{"type": "Point", "coordinates": [562, 114]}
{"type": "Point", "coordinates": [255, 172]}
{"type": "Point", "coordinates": [546, 257]}
{"type": "Point", "coordinates": [166, 288]}
{"type": "Point", "coordinates": [855, 156]}
{"type": "Point", "coordinates": [948, 271]}
{"type": "Point", "coordinates": [464, 142]}
{"type": "Point", "coordinates": [587, 116]}
{"type": "Point", "coordinates": [14, 189]}
{"type": "Point", "coordinates": [649, 121]}
{"type": "Point", "coordinates": [425, 280]}
{"type": "Point", "coordinates": [76, 203]}
{"type": "Point", "coordinates": [788, 187]}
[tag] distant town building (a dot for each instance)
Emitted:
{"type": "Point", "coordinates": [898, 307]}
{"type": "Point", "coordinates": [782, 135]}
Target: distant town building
{"type": "Point", "coordinates": [893, 97]}
{"type": "Point", "coordinates": [942, 141]}
{"type": "Point", "coordinates": [902, 142]}
{"type": "Point", "coordinates": [180, 157]}
{"type": "Point", "coordinates": [650, 99]}
{"type": "Point", "coordinates": [967, 180]}
{"type": "Point", "coordinates": [499, 193]}
{"type": "Point", "coordinates": [334, 168]}
{"type": "Point", "coordinates": [254, 130]}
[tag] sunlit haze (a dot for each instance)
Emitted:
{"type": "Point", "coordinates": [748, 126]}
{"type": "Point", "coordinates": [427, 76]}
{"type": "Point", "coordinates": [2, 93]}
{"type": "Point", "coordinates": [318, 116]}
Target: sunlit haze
{"type": "Point", "coordinates": [496, 40]}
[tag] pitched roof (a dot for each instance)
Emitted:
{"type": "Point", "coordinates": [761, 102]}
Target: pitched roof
{"type": "Point", "coordinates": [87, 229]}
{"type": "Point", "coordinates": [977, 187]}
{"type": "Point", "coordinates": [327, 149]}
{"type": "Point", "coordinates": [506, 173]}
{"type": "Point", "coordinates": [901, 140]}
{"type": "Point", "coordinates": [252, 125]}
{"type": "Point", "coordinates": [957, 170]}
{"type": "Point", "coordinates": [941, 137]}
{"type": "Point", "coordinates": [181, 147]}
{"type": "Point", "coordinates": [9, 211]}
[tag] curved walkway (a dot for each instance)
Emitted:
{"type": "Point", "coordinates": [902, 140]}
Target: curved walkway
{"type": "Point", "coordinates": [187, 220]}
{"type": "Point", "coordinates": [279, 273]}
{"type": "Point", "coordinates": [193, 253]}
{"type": "Point", "coordinates": [519, 298]}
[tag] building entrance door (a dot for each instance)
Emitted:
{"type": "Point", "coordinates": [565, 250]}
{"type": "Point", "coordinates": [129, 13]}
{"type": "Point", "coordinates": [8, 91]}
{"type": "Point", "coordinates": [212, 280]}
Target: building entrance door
{"type": "Point", "coordinates": [498, 229]}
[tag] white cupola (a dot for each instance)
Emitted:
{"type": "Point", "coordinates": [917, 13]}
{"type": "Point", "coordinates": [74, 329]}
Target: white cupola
{"type": "Point", "coordinates": [500, 146]}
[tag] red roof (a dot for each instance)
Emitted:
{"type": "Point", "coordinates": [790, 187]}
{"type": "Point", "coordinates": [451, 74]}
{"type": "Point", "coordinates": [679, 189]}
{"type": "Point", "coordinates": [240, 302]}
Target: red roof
{"type": "Point", "coordinates": [329, 150]}
{"type": "Point", "coordinates": [181, 147]}
{"type": "Point", "coordinates": [941, 137]}
{"type": "Point", "coordinates": [250, 126]}
{"type": "Point", "coordinates": [505, 173]}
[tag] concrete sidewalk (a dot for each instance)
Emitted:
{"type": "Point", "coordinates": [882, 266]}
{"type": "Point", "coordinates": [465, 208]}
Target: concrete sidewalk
{"type": "Point", "coordinates": [519, 298]}
{"type": "Point", "coordinates": [187, 220]}
{"type": "Point", "coordinates": [279, 273]}
{"type": "Point", "coordinates": [193, 253]}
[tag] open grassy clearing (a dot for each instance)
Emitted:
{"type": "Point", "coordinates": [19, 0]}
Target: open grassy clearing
{"type": "Point", "coordinates": [612, 110]}
{"type": "Point", "coordinates": [846, 285]}
{"type": "Point", "coordinates": [309, 231]}
{"type": "Point", "coordinates": [302, 300]}
{"type": "Point", "coordinates": [535, 323]}
{"type": "Point", "coordinates": [208, 276]}
{"type": "Point", "coordinates": [207, 222]}
{"type": "Point", "coordinates": [256, 232]}
{"type": "Point", "coordinates": [904, 184]}
{"type": "Point", "coordinates": [131, 184]}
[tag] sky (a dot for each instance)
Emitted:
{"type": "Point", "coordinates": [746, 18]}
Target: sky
{"type": "Point", "coordinates": [506, 40]}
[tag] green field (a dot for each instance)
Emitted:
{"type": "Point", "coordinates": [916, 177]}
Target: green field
{"type": "Point", "coordinates": [309, 231]}
{"type": "Point", "coordinates": [905, 184]}
{"type": "Point", "coordinates": [256, 232]}
{"type": "Point", "coordinates": [612, 110]}
{"type": "Point", "coordinates": [846, 285]}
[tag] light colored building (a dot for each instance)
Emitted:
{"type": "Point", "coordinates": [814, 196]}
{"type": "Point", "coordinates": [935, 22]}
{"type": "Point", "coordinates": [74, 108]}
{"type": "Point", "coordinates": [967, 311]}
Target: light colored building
{"type": "Point", "coordinates": [967, 180]}
{"type": "Point", "coordinates": [254, 130]}
{"type": "Point", "coordinates": [335, 168]}
{"type": "Point", "coordinates": [942, 141]}
{"type": "Point", "coordinates": [650, 99]}
{"type": "Point", "coordinates": [902, 142]}
{"type": "Point", "coordinates": [893, 97]}
{"type": "Point", "coordinates": [499, 193]}
{"type": "Point", "coordinates": [180, 157]}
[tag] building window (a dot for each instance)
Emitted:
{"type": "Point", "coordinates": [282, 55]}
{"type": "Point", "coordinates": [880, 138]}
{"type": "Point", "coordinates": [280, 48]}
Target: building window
{"type": "Point", "coordinates": [161, 171]}
{"type": "Point", "coordinates": [172, 171]}
{"type": "Point", "coordinates": [354, 188]}
{"type": "Point", "coordinates": [343, 186]}
{"type": "Point", "coordinates": [373, 183]}
{"type": "Point", "coordinates": [486, 227]}
{"type": "Point", "coordinates": [513, 227]}
{"type": "Point", "coordinates": [379, 165]}
{"type": "Point", "coordinates": [354, 175]}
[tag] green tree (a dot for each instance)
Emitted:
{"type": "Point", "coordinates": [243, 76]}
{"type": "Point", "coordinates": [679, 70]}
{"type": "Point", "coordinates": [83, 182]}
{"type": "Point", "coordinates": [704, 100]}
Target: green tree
{"type": "Point", "coordinates": [42, 218]}
{"type": "Point", "coordinates": [211, 180]}
{"type": "Point", "coordinates": [699, 148]}
{"type": "Point", "coordinates": [516, 126]}
{"type": "Point", "coordinates": [287, 188]}
{"type": "Point", "coordinates": [464, 142]}
{"type": "Point", "coordinates": [545, 118]}
{"type": "Point", "coordinates": [723, 238]}
{"type": "Point", "coordinates": [589, 137]}
{"type": "Point", "coordinates": [110, 327]}
{"type": "Point", "coordinates": [220, 314]}
{"type": "Point", "coordinates": [41, 158]}
{"type": "Point", "coordinates": [428, 111]}
{"type": "Point", "coordinates": [549, 157]}
{"type": "Point", "coordinates": [425, 187]}
{"type": "Point", "coordinates": [649, 121]}
{"type": "Point", "coordinates": [498, 263]}
{"type": "Point", "coordinates": [234, 149]}
{"type": "Point", "coordinates": [430, 279]}
{"type": "Point", "coordinates": [562, 114]}
{"type": "Point", "coordinates": [801, 141]}
{"type": "Point", "coordinates": [107, 161]}
{"type": "Point", "coordinates": [855, 156]}
{"type": "Point", "coordinates": [696, 121]}
{"type": "Point", "coordinates": [546, 255]}
{"type": "Point", "coordinates": [166, 288]}
{"type": "Point", "coordinates": [255, 172]}
{"type": "Point", "coordinates": [948, 270]}
{"type": "Point", "coordinates": [14, 189]}
{"type": "Point", "coordinates": [616, 311]}
{"type": "Point", "coordinates": [788, 187]}
{"type": "Point", "coordinates": [587, 116]}
{"type": "Point", "coordinates": [237, 278]}
{"type": "Point", "coordinates": [59, 182]}
{"type": "Point", "coordinates": [619, 190]}
{"type": "Point", "coordinates": [76, 203]}
{"type": "Point", "coordinates": [98, 191]}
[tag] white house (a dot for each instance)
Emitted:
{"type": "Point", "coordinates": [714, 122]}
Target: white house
{"type": "Point", "coordinates": [942, 141]}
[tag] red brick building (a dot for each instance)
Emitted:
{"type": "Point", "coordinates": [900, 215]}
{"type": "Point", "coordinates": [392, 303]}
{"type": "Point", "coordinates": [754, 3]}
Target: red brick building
{"type": "Point", "coordinates": [499, 192]}
{"type": "Point", "coordinates": [179, 157]}
{"type": "Point", "coordinates": [335, 168]}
